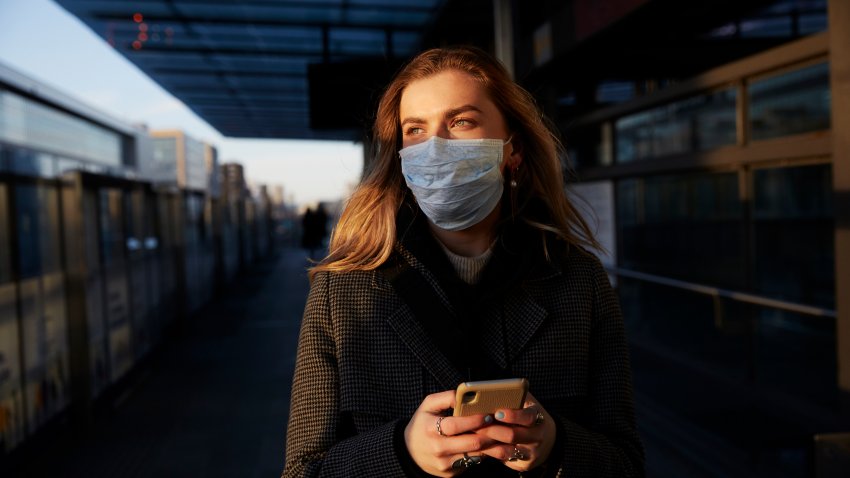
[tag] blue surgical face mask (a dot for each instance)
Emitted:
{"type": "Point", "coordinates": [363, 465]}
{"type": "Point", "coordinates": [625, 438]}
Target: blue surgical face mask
{"type": "Point", "coordinates": [456, 182]}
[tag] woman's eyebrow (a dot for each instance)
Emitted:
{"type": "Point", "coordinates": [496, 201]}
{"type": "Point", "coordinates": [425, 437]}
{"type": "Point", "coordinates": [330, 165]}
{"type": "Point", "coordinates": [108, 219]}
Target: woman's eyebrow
{"type": "Point", "coordinates": [461, 109]}
{"type": "Point", "coordinates": [448, 114]}
{"type": "Point", "coordinates": [413, 120]}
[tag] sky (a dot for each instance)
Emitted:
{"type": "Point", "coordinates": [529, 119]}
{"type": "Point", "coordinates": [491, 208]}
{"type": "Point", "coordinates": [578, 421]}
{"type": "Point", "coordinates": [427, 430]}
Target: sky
{"type": "Point", "coordinates": [41, 40]}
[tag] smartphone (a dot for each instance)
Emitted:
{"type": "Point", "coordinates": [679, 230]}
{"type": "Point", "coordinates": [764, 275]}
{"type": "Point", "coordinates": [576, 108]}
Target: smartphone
{"type": "Point", "coordinates": [487, 396]}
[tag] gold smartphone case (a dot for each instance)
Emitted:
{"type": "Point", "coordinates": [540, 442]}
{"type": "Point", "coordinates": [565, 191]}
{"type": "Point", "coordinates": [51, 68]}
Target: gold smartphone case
{"type": "Point", "coordinates": [487, 396]}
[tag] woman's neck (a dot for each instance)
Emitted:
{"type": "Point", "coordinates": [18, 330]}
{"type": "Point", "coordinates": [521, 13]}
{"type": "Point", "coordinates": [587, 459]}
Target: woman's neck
{"type": "Point", "coordinates": [470, 242]}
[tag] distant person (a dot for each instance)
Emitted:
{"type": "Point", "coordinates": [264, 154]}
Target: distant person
{"type": "Point", "coordinates": [461, 258]}
{"type": "Point", "coordinates": [321, 224]}
{"type": "Point", "coordinates": [314, 230]}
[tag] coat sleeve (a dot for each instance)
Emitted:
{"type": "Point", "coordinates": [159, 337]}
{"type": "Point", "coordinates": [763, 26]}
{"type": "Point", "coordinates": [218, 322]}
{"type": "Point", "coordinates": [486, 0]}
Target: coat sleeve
{"type": "Point", "coordinates": [610, 446]}
{"type": "Point", "coordinates": [319, 440]}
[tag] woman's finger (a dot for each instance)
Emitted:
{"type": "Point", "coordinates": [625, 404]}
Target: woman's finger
{"type": "Point", "coordinates": [436, 403]}
{"type": "Point", "coordinates": [450, 426]}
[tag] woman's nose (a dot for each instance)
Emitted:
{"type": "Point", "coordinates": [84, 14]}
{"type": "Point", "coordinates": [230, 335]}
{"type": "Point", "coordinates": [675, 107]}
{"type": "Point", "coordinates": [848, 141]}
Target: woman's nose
{"type": "Point", "coordinates": [442, 132]}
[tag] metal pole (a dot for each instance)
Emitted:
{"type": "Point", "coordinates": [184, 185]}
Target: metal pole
{"type": "Point", "coordinates": [839, 84]}
{"type": "Point", "coordinates": [504, 41]}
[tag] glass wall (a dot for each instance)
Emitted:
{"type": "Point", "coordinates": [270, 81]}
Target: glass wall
{"type": "Point", "coordinates": [695, 227]}
{"type": "Point", "coordinates": [790, 103]}
{"type": "Point", "coordinates": [11, 395]}
{"type": "Point", "coordinates": [793, 234]}
{"type": "Point", "coordinates": [685, 226]}
{"type": "Point", "coordinates": [41, 294]}
{"type": "Point", "coordinates": [694, 124]}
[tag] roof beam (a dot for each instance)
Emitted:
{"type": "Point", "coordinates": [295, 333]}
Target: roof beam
{"type": "Point", "coordinates": [255, 21]}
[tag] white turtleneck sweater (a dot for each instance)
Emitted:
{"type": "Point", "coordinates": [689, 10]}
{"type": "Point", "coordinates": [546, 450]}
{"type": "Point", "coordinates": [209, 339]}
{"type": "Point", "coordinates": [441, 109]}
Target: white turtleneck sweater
{"type": "Point", "coordinates": [468, 268]}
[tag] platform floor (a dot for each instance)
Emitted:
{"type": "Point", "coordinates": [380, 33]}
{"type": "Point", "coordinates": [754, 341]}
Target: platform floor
{"type": "Point", "coordinates": [213, 402]}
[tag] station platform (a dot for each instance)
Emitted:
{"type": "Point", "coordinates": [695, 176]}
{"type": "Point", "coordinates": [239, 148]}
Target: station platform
{"type": "Point", "coordinates": [213, 402]}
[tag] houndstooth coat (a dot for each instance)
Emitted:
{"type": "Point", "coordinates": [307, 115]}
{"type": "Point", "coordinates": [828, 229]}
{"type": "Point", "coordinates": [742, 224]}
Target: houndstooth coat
{"type": "Point", "coordinates": [364, 364]}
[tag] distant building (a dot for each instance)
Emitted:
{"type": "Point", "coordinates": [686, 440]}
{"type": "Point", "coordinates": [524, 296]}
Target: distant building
{"type": "Point", "coordinates": [233, 180]}
{"type": "Point", "coordinates": [44, 132]}
{"type": "Point", "coordinates": [179, 160]}
{"type": "Point", "coordinates": [213, 170]}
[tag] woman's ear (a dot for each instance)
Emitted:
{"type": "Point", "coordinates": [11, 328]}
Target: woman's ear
{"type": "Point", "coordinates": [515, 157]}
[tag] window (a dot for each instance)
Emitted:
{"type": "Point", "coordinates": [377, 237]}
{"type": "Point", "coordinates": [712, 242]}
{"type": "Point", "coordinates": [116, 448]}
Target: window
{"type": "Point", "coordinates": [683, 226]}
{"type": "Point", "coordinates": [694, 124]}
{"type": "Point", "coordinates": [794, 238]}
{"type": "Point", "coordinates": [790, 103]}
{"type": "Point", "coordinates": [31, 124]}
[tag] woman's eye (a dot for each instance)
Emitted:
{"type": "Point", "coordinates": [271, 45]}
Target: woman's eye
{"type": "Point", "coordinates": [414, 130]}
{"type": "Point", "coordinates": [461, 123]}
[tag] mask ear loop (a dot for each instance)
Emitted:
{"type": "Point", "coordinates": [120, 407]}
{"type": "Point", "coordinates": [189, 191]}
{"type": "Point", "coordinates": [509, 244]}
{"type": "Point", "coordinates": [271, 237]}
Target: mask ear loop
{"type": "Point", "coordinates": [513, 184]}
{"type": "Point", "coordinates": [513, 192]}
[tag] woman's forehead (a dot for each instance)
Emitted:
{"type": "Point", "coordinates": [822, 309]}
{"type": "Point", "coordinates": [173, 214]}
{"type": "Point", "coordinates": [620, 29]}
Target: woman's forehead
{"type": "Point", "coordinates": [444, 91]}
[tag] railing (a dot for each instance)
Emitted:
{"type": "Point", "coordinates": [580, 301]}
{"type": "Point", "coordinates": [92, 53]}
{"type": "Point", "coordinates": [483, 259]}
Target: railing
{"type": "Point", "coordinates": [718, 293]}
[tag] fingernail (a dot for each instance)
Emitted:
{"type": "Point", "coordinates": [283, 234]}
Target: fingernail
{"type": "Point", "coordinates": [500, 415]}
{"type": "Point", "coordinates": [488, 419]}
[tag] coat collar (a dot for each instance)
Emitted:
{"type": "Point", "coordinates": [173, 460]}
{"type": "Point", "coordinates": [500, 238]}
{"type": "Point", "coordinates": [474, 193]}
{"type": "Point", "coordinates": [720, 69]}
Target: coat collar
{"type": "Point", "coordinates": [515, 314]}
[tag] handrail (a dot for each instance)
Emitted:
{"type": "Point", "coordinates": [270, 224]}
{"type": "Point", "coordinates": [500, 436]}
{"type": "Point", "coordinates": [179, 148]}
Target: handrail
{"type": "Point", "coordinates": [723, 293]}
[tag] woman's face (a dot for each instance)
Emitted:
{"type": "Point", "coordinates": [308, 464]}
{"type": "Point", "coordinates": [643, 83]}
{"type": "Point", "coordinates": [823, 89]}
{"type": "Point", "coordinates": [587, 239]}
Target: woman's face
{"type": "Point", "coordinates": [451, 105]}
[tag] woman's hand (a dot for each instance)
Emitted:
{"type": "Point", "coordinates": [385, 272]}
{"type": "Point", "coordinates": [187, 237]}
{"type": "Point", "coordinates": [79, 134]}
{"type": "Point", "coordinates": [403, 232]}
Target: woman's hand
{"type": "Point", "coordinates": [525, 437]}
{"type": "Point", "coordinates": [435, 449]}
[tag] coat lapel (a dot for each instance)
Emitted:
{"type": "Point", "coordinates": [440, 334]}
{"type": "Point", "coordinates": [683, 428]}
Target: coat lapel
{"type": "Point", "coordinates": [523, 316]}
{"type": "Point", "coordinates": [410, 331]}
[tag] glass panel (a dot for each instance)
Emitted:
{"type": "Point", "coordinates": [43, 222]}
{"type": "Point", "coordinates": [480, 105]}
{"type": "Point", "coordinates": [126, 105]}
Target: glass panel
{"type": "Point", "coordinates": [791, 103]}
{"type": "Point", "coordinates": [797, 354]}
{"type": "Point", "coordinates": [694, 124]}
{"type": "Point", "coordinates": [5, 239]}
{"type": "Point", "coordinates": [812, 23]}
{"type": "Point", "coordinates": [794, 234]}
{"type": "Point", "coordinates": [683, 226]}
{"type": "Point", "coordinates": [766, 27]}
{"type": "Point", "coordinates": [26, 162]}
{"type": "Point", "coordinates": [684, 324]}
{"type": "Point", "coordinates": [51, 234]}
{"type": "Point", "coordinates": [111, 233]}
{"type": "Point", "coordinates": [33, 124]}
{"type": "Point", "coordinates": [709, 365]}
{"type": "Point", "coordinates": [27, 224]}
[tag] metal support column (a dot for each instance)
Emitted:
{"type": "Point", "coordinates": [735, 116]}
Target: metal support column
{"type": "Point", "coordinates": [76, 277]}
{"type": "Point", "coordinates": [504, 41]}
{"type": "Point", "coordinates": [839, 83]}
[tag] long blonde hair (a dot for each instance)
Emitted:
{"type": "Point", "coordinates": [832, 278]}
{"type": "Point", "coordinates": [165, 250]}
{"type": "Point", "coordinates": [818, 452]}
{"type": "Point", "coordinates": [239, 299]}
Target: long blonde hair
{"type": "Point", "coordinates": [364, 237]}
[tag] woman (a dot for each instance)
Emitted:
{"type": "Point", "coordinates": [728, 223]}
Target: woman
{"type": "Point", "coordinates": [460, 258]}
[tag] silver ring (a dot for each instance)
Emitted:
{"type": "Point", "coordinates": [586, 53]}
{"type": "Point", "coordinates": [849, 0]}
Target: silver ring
{"type": "Point", "coordinates": [539, 418]}
{"type": "Point", "coordinates": [517, 455]}
{"type": "Point", "coordinates": [466, 461]}
{"type": "Point", "coordinates": [439, 428]}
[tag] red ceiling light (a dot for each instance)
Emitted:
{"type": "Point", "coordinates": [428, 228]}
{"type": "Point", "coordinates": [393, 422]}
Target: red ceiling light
{"type": "Point", "coordinates": [137, 17]}
{"type": "Point", "coordinates": [143, 37]}
{"type": "Point", "coordinates": [143, 27]}
{"type": "Point", "coordinates": [137, 45]}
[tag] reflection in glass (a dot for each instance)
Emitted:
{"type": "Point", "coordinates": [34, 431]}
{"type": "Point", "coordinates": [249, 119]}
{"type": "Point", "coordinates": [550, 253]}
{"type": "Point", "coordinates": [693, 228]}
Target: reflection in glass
{"type": "Point", "coordinates": [687, 227]}
{"type": "Point", "coordinates": [695, 124]}
{"type": "Point", "coordinates": [790, 103]}
{"type": "Point", "coordinates": [27, 228]}
{"type": "Point", "coordinates": [794, 234]}
{"type": "Point", "coordinates": [5, 240]}
{"type": "Point", "coordinates": [111, 231]}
